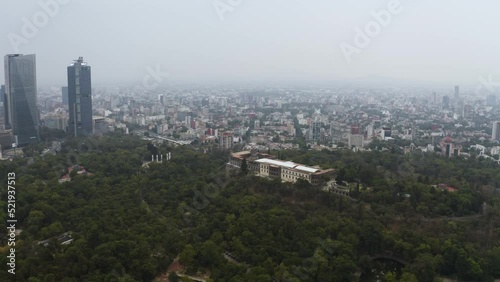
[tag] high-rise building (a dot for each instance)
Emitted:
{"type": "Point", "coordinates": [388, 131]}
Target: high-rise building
{"type": "Point", "coordinates": [55, 121]}
{"type": "Point", "coordinates": [316, 131]}
{"type": "Point", "coordinates": [369, 131]}
{"type": "Point", "coordinates": [65, 98]}
{"type": "Point", "coordinates": [226, 140]}
{"type": "Point", "coordinates": [446, 102]}
{"type": "Point", "coordinates": [161, 99]}
{"type": "Point", "coordinates": [21, 97]}
{"type": "Point", "coordinates": [356, 140]}
{"type": "Point", "coordinates": [457, 92]}
{"type": "Point", "coordinates": [495, 132]}
{"type": "Point", "coordinates": [386, 132]}
{"type": "Point", "coordinates": [491, 100]}
{"type": "Point", "coordinates": [449, 149]}
{"type": "Point", "coordinates": [80, 98]}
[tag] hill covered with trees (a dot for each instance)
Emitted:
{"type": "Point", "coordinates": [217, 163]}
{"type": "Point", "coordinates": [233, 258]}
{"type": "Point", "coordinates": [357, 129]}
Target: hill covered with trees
{"type": "Point", "coordinates": [129, 222]}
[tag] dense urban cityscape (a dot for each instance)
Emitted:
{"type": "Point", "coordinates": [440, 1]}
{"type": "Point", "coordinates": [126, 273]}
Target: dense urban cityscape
{"type": "Point", "coordinates": [447, 122]}
{"type": "Point", "coordinates": [249, 141]}
{"type": "Point", "coordinates": [257, 125]}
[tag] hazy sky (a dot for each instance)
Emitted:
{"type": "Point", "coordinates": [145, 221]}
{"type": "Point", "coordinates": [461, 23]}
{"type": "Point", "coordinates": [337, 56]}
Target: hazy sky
{"type": "Point", "coordinates": [451, 41]}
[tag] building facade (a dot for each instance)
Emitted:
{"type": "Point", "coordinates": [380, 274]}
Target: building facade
{"type": "Point", "coordinates": [21, 109]}
{"type": "Point", "coordinates": [226, 140]}
{"type": "Point", "coordinates": [446, 102]}
{"type": "Point", "coordinates": [265, 165]}
{"type": "Point", "coordinates": [56, 121]}
{"type": "Point", "coordinates": [356, 140]}
{"type": "Point", "coordinates": [80, 99]}
{"type": "Point", "coordinates": [495, 132]}
{"type": "Point", "coordinates": [65, 98]}
{"type": "Point", "coordinates": [315, 131]}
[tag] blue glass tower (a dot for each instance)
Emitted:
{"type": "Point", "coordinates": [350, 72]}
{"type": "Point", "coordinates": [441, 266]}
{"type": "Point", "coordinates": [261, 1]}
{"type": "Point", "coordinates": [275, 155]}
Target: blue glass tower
{"type": "Point", "coordinates": [21, 97]}
{"type": "Point", "coordinates": [80, 99]}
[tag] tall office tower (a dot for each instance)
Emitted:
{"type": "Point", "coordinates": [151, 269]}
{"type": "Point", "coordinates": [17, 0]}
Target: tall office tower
{"type": "Point", "coordinates": [226, 140]}
{"type": "Point", "coordinates": [316, 131]}
{"type": "Point", "coordinates": [446, 102]}
{"type": "Point", "coordinates": [21, 93]}
{"type": "Point", "coordinates": [457, 92]}
{"type": "Point", "coordinates": [434, 97]}
{"type": "Point", "coordinates": [491, 100]}
{"type": "Point", "coordinates": [65, 98]}
{"type": "Point", "coordinates": [356, 140]}
{"type": "Point", "coordinates": [369, 131]}
{"type": "Point", "coordinates": [161, 99]}
{"type": "Point", "coordinates": [495, 132]}
{"type": "Point", "coordinates": [80, 99]}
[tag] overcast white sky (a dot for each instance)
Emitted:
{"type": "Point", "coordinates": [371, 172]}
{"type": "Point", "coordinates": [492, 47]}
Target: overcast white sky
{"type": "Point", "coordinates": [449, 41]}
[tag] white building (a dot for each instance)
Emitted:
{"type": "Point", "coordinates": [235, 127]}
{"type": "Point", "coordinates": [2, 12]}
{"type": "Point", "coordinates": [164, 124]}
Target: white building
{"type": "Point", "coordinates": [495, 132]}
{"type": "Point", "coordinates": [356, 140]}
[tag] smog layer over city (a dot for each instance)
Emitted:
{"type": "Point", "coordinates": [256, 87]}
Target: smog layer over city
{"type": "Point", "coordinates": [237, 140]}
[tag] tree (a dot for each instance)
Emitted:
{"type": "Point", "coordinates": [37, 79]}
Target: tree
{"type": "Point", "coordinates": [340, 176]}
{"type": "Point", "coordinates": [152, 149]}
{"type": "Point", "coordinates": [244, 167]}
{"type": "Point", "coordinates": [390, 277]}
{"type": "Point", "coordinates": [408, 277]}
{"type": "Point", "coordinates": [492, 262]}
{"type": "Point", "coordinates": [424, 267]}
{"type": "Point", "coordinates": [173, 277]}
{"type": "Point", "coordinates": [209, 254]}
{"type": "Point", "coordinates": [187, 257]}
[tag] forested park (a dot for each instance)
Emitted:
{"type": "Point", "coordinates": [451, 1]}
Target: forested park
{"type": "Point", "coordinates": [129, 221]}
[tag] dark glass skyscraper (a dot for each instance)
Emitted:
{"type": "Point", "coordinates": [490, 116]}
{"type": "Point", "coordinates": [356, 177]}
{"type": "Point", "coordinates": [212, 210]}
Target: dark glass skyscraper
{"type": "Point", "coordinates": [80, 99]}
{"type": "Point", "coordinates": [446, 103]}
{"type": "Point", "coordinates": [21, 94]}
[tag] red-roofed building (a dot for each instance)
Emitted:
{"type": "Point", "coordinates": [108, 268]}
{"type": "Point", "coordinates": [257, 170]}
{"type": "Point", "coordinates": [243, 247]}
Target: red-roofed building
{"type": "Point", "coordinates": [80, 170]}
{"type": "Point", "coordinates": [447, 188]}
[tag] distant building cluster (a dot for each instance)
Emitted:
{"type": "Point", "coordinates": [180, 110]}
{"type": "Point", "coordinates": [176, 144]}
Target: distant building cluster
{"type": "Point", "coordinates": [245, 118]}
